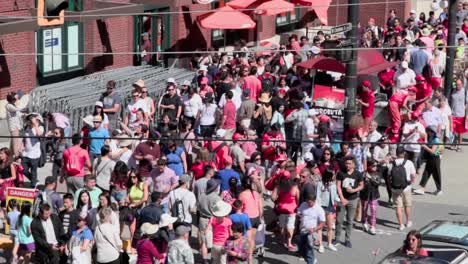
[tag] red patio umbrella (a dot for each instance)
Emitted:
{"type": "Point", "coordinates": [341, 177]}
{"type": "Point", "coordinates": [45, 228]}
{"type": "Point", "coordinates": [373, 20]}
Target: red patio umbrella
{"type": "Point", "coordinates": [320, 8]}
{"type": "Point", "coordinates": [274, 7]}
{"type": "Point", "coordinates": [225, 18]}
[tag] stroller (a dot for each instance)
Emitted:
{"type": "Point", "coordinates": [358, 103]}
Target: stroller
{"type": "Point", "coordinates": [260, 240]}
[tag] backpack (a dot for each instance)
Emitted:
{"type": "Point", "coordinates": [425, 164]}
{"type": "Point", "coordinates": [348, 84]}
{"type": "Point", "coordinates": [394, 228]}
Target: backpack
{"type": "Point", "coordinates": [177, 209]}
{"type": "Point", "coordinates": [72, 167]}
{"type": "Point", "coordinates": [212, 152]}
{"type": "Point", "coordinates": [398, 176]}
{"type": "Point", "coordinates": [40, 199]}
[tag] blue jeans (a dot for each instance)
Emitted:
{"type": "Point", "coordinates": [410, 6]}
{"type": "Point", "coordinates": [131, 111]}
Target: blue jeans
{"type": "Point", "coordinates": [30, 169]}
{"type": "Point", "coordinates": [306, 248]}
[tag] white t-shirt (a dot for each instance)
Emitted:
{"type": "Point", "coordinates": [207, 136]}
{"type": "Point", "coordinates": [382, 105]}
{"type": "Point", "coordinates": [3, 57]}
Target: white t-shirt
{"type": "Point", "coordinates": [208, 112]}
{"type": "Point", "coordinates": [308, 128]}
{"type": "Point", "coordinates": [188, 200]}
{"type": "Point", "coordinates": [133, 107]}
{"type": "Point", "coordinates": [403, 79]}
{"type": "Point", "coordinates": [413, 137]}
{"type": "Point", "coordinates": [410, 170]}
{"type": "Point", "coordinates": [374, 136]}
{"type": "Point", "coordinates": [311, 216]}
{"type": "Point", "coordinates": [192, 105]}
{"type": "Point", "coordinates": [32, 146]}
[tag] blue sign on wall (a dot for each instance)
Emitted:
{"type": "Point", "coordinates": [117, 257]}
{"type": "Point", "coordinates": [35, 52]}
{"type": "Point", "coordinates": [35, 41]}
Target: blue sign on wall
{"type": "Point", "coordinates": [51, 42]}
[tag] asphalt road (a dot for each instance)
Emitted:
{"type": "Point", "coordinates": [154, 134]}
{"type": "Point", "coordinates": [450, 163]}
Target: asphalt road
{"type": "Point", "coordinates": [368, 248]}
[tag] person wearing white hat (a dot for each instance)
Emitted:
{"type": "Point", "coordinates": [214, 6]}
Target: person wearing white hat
{"type": "Point", "coordinates": [182, 201]}
{"type": "Point", "coordinates": [99, 110]}
{"type": "Point", "coordinates": [220, 224]}
{"type": "Point", "coordinates": [98, 137]}
{"type": "Point", "coordinates": [171, 104]}
{"type": "Point", "coordinates": [404, 77]}
{"type": "Point", "coordinates": [146, 249]}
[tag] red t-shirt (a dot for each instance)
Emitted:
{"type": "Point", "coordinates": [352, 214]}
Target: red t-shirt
{"type": "Point", "coordinates": [270, 153]}
{"type": "Point", "coordinates": [221, 230]}
{"type": "Point", "coordinates": [255, 86]}
{"type": "Point", "coordinates": [220, 155]}
{"type": "Point", "coordinates": [368, 98]}
{"type": "Point", "coordinates": [386, 78]}
{"type": "Point", "coordinates": [229, 113]}
{"type": "Point", "coordinates": [82, 154]}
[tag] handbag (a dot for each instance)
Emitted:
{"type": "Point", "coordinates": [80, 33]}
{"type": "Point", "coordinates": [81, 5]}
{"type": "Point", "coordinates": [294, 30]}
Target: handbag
{"type": "Point", "coordinates": [124, 258]}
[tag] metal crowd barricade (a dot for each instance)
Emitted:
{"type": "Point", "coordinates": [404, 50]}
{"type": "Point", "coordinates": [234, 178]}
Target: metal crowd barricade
{"type": "Point", "coordinates": [76, 97]}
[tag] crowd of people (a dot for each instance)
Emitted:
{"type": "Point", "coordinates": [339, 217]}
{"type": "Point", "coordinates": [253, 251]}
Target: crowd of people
{"type": "Point", "coordinates": [215, 149]}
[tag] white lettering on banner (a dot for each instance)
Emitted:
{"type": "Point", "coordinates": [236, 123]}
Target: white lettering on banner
{"type": "Point", "coordinates": [21, 193]}
{"type": "Point", "coordinates": [336, 113]}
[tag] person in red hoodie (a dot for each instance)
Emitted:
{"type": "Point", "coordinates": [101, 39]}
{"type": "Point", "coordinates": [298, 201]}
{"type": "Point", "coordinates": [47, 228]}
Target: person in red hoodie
{"type": "Point", "coordinates": [399, 100]}
{"type": "Point", "coordinates": [366, 100]}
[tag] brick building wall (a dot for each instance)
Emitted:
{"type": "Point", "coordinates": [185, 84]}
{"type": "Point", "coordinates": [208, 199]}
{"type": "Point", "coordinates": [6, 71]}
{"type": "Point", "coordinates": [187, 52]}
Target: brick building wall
{"type": "Point", "coordinates": [339, 14]}
{"type": "Point", "coordinates": [16, 72]}
{"type": "Point", "coordinates": [108, 35]}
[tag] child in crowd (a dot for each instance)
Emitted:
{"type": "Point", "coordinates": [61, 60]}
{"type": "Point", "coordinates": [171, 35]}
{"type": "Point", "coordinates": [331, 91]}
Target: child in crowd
{"type": "Point", "coordinates": [237, 246]}
{"type": "Point", "coordinates": [25, 237]}
{"type": "Point", "coordinates": [370, 197]}
{"type": "Point", "coordinates": [239, 217]}
{"type": "Point", "coordinates": [12, 218]}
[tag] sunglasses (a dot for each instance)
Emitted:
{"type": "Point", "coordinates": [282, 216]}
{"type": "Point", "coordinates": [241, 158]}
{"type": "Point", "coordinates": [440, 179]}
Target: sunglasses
{"type": "Point", "coordinates": [144, 91]}
{"type": "Point", "coordinates": [257, 159]}
{"type": "Point", "coordinates": [110, 88]}
{"type": "Point", "coordinates": [135, 95]}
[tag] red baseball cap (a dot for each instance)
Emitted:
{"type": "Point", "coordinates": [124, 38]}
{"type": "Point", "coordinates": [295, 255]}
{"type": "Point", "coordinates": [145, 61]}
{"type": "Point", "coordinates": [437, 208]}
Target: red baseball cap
{"type": "Point", "coordinates": [237, 136]}
{"type": "Point", "coordinates": [324, 118]}
{"type": "Point", "coordinates": [419, 77]}
{"type": "Point", "coordinates": [366, 83]}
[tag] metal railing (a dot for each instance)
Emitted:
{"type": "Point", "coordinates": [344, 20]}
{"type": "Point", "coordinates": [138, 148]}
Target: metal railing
{"type": "Point", "coordinates": [76, 97]}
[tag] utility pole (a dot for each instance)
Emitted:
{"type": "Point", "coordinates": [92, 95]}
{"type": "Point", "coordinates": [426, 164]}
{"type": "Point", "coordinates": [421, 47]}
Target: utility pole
{"type": "Point", "coordinates": [449, 61]}
{"type": "Point", "coordinates": [351, 81]}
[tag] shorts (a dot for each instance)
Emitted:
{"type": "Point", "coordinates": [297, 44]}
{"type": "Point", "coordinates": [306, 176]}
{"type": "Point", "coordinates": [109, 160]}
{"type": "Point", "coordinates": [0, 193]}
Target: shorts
{"type": "Point", "coordinates": [329, 209]}
{"type": "Point", "coordinates": [402, 199]}
{"type": "Point", "coordinates": [31, 247]}
{"type": "Point", "coordinates": [255, 222]}
{"type": "Point", "coordinates": [459, 125]}
{"type": "Point", "coordinates": [287, 221]}
{"type": "Point", "coordinates": [14, 236]}
{"type": "Point", "coordinates": [118, 196]}
{"type": "Point", "coordinates": [204, 237]}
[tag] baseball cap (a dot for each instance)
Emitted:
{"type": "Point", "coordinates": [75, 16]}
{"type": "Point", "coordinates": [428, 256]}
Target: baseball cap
{"type": "Point", "coordinates": [204, 80]}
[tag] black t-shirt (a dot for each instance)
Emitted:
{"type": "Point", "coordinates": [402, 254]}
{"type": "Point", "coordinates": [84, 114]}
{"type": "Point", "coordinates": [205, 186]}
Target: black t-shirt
{"type": "Point", "coordinates": [349, 180]}
{"type": "Point", "coordinates": [222, 88]}
{"type": "Point", "coordinates": [175, 100]}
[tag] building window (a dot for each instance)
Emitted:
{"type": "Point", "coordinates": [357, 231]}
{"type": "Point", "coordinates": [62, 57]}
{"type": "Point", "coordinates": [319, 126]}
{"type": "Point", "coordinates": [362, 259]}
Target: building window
{"type": "Point", "coordinates": [59, 47]}
{"type": "Point", "coordinates": [217, 34]}
{"type": "Point", "coordinates": [288, 17]}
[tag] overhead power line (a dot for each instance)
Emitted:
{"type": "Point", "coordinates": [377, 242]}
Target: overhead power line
{"type": "Point", "coordinates": [200, 139]}
{"type": "Point", "coordinates": [255, 50]}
